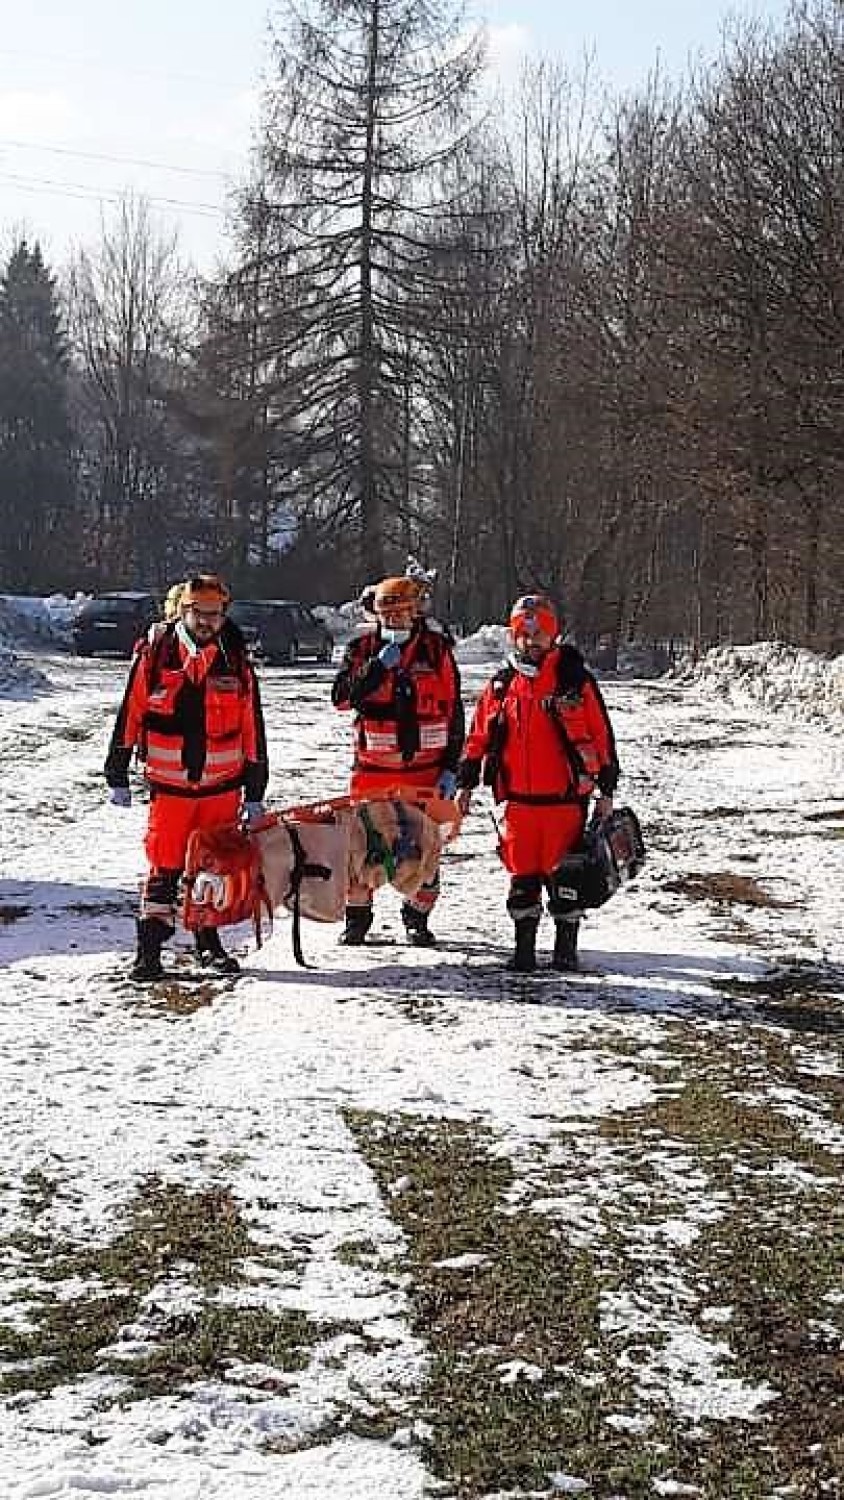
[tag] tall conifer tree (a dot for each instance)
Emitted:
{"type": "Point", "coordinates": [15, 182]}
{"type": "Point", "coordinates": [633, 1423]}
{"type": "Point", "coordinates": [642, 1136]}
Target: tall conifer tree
{"type": "Point", "coordinates": [36, 440]}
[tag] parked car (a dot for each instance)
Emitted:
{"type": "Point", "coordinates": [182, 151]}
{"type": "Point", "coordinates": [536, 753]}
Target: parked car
{"type": "Point", "coordinates": [281, 631]}
{"type": "Point", "coordinates": [110, 624]}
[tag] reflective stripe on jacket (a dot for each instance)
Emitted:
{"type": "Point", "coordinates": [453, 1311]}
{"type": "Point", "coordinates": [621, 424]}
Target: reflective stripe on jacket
{"type": "Point", "coordinates": [409, 718]}
{"type": "Point", "coordinates": [195, 718]}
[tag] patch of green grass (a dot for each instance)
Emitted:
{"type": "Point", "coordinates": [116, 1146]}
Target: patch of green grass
{"type": "Point", "coordinates": [714, 1120]}
{"type": "Point", "coordinates": [775, 1271]}
{"type": "Point", "coordinates": [177, 997]}
{"type": "Point", "coordinates": [202, 1345]}
{"type": "Point", "coordinates": [506, 1327]}
{"type": "Point", "coordinates": [362, 1252]}
{"type": "Point", "coordinates": [805, 997]}
{"type": "Point", "coordinates": [523, 1376]}
{"type": "Point", "coordinates": [167, 1230]}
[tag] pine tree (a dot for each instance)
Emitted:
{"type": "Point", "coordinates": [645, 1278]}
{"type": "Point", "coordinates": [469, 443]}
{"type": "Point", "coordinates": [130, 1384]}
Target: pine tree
{"type": "Point", "coordinates": [37, 490]}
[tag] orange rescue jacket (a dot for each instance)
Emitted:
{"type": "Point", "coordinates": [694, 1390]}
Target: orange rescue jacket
{"type": "Point", "coordinates": [543, 739]}
{"type": "Point", "coordinates": [194, 717]}
{"type": "Point", "coordinates": [409, 718]}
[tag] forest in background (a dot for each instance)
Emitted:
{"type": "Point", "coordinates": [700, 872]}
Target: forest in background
{"type": "Point", "coordinates": [594, 346]}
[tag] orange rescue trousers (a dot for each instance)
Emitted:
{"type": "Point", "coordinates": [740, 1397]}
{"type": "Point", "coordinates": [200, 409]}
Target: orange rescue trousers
{"type": "Point", "coordinates": [170, 823]}
{"type": "Point", "coordinates": [534, 839]}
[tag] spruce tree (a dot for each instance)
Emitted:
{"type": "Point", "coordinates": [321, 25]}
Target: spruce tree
{"type": "Point", "coordinates": [37, 540]}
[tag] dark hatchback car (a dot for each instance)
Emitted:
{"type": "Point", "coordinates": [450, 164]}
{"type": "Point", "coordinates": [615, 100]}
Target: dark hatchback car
{"type": "Point", "coordinates": [110, 624]}
{"type": "Point", "coordinates": [281, 631]}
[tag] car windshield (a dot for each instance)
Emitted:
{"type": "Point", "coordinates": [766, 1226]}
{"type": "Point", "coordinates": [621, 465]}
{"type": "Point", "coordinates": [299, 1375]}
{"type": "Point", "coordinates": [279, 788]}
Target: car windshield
{"type": "Point", "coordinates": [103, 608]}
{"type": "Point", "coordinates": [248, 614]}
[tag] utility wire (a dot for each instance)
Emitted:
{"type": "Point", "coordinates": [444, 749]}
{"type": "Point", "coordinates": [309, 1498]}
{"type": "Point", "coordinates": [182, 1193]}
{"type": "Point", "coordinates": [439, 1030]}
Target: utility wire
{"type": "Point", "coordinates": [110, 195]}
{"type": "Point", "coordinates": [129, 161]}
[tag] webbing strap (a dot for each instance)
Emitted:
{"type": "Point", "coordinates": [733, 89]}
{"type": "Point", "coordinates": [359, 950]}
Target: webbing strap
{"type": "Point", "coordinates": [302, 867]}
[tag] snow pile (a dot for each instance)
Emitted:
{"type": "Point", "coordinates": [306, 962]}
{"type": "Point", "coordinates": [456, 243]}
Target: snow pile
{"type": "Point", "coordinates": [16, 678]}
{"type": "Point", "coordinates": [343, 620]}
{"type": "Point", "coordinates": [26, 620]}
{"type": "Point", "coordinates": [777, 676]}
{"type": "Point", "coordinates": [489, 643]}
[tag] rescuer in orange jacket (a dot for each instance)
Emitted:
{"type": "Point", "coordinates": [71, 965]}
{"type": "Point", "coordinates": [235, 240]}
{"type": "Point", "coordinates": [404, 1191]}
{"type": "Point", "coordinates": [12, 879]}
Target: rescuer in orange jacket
{"type": "Point", "coordinates": [192, 711]}
{"type": "Point", "coordinates": [402, 683]}
{"type": "Point", "coordinates": [541, 736]}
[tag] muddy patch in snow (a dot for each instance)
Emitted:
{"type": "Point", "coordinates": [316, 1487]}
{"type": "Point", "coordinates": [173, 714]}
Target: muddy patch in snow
{"type": "Point", "coordinates": [805, 997]}
{"type": "Point", "coordinates": [725, 886]}
{"type": "Point", "coordinates": [10, 913]}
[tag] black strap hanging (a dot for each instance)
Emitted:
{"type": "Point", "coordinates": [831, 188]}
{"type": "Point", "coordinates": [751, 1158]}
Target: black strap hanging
{"type": "Point", "coordinates": [302, 868]}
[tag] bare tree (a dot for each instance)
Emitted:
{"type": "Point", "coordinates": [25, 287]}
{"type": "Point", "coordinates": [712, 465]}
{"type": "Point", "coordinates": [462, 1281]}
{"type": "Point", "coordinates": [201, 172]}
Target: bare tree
{"type": "Point", "coordinates": [129, 322]}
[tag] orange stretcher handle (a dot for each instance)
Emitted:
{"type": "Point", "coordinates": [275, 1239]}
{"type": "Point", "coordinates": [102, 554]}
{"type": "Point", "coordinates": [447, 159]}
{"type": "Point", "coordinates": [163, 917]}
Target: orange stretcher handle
{"type": "Point", "coordinates": [438, 809]}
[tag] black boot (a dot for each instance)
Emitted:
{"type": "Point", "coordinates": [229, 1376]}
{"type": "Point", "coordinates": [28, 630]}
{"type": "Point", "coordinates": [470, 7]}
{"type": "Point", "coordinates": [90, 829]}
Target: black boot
{"type": "Point", "coordinates": [416, 927]}
{"type": "Point", "coordinates": [358, 923]}
{"type": "Point", "coordinates": [524, 958]}
{"type": "Point", "coordinates": [212, 954]}
{"type": "Point", "coordinates": [152, 932]}
{"type": "Point", "coordinates": [564, 956]}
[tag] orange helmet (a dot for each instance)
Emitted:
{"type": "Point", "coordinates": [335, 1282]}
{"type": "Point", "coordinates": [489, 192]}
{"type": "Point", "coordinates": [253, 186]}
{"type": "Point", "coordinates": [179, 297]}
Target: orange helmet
{"type": "Point", "coordinates": [398, 596]}
{"type": "Point", "coordinates": [534, 614]}
{"type": "Point", "coordinates": [205, 591]}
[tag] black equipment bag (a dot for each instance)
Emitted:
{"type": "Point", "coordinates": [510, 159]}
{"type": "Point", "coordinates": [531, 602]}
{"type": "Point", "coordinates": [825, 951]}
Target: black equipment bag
{"type": "Point", "coordinates": [612, 852]}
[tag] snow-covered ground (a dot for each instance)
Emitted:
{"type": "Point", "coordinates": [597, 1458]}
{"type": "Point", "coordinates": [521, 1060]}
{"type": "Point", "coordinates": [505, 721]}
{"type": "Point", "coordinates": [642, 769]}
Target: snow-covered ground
{"type": "Point", "coordinates": [270, 1093]}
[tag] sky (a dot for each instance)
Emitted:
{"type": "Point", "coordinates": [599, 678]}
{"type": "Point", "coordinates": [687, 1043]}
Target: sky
{"type": "Point", "coordinates": [98, 98]}
{"type": "Point", "coordinates": [246, 1088]}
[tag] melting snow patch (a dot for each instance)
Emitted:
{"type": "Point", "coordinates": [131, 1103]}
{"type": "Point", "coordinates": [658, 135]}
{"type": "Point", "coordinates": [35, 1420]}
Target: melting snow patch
{"type": "Point", "coordinates": [624, 1422]}
{"type": "Point", "coordinates": [674, 1487]}
{"type": "Point", "coordinates": [518, 1369]}
{"type": "Point", "coordinates": [461, 1262]}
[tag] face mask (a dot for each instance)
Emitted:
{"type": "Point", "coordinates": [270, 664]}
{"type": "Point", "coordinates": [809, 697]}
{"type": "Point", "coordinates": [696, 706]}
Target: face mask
{"type": "Point", "coordinates": [523, 665]}
{"type": "Point", "coordinates": [397, 637]}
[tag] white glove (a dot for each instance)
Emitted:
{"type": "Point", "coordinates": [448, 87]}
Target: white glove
{"type": "Point", "coordinates": [120, 796]}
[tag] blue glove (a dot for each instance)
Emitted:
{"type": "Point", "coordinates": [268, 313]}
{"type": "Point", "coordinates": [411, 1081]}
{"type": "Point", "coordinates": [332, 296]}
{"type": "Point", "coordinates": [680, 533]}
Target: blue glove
{"type": "Point", "coordinates": [252, 812]}
{"type": "Point", "coordinates": [120, 796]}
{"type": "Point", "coordinates": [390, 655]}
{"type": "Point", "coordinates": [447, 785]}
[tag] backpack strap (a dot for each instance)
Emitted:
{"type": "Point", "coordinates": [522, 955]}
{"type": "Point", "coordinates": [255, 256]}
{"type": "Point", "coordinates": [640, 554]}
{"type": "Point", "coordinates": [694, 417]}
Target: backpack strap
{"type": "Point", "coordinates": [493, 775]}
{"type": "Point", "coordinates": [571, 676]}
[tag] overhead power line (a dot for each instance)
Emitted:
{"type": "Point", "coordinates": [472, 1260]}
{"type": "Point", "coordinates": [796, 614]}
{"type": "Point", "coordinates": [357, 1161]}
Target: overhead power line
{"type": "Point", "coordinates": [84, 191]}
{"type": "Point", "coordinates": [129, 161]}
